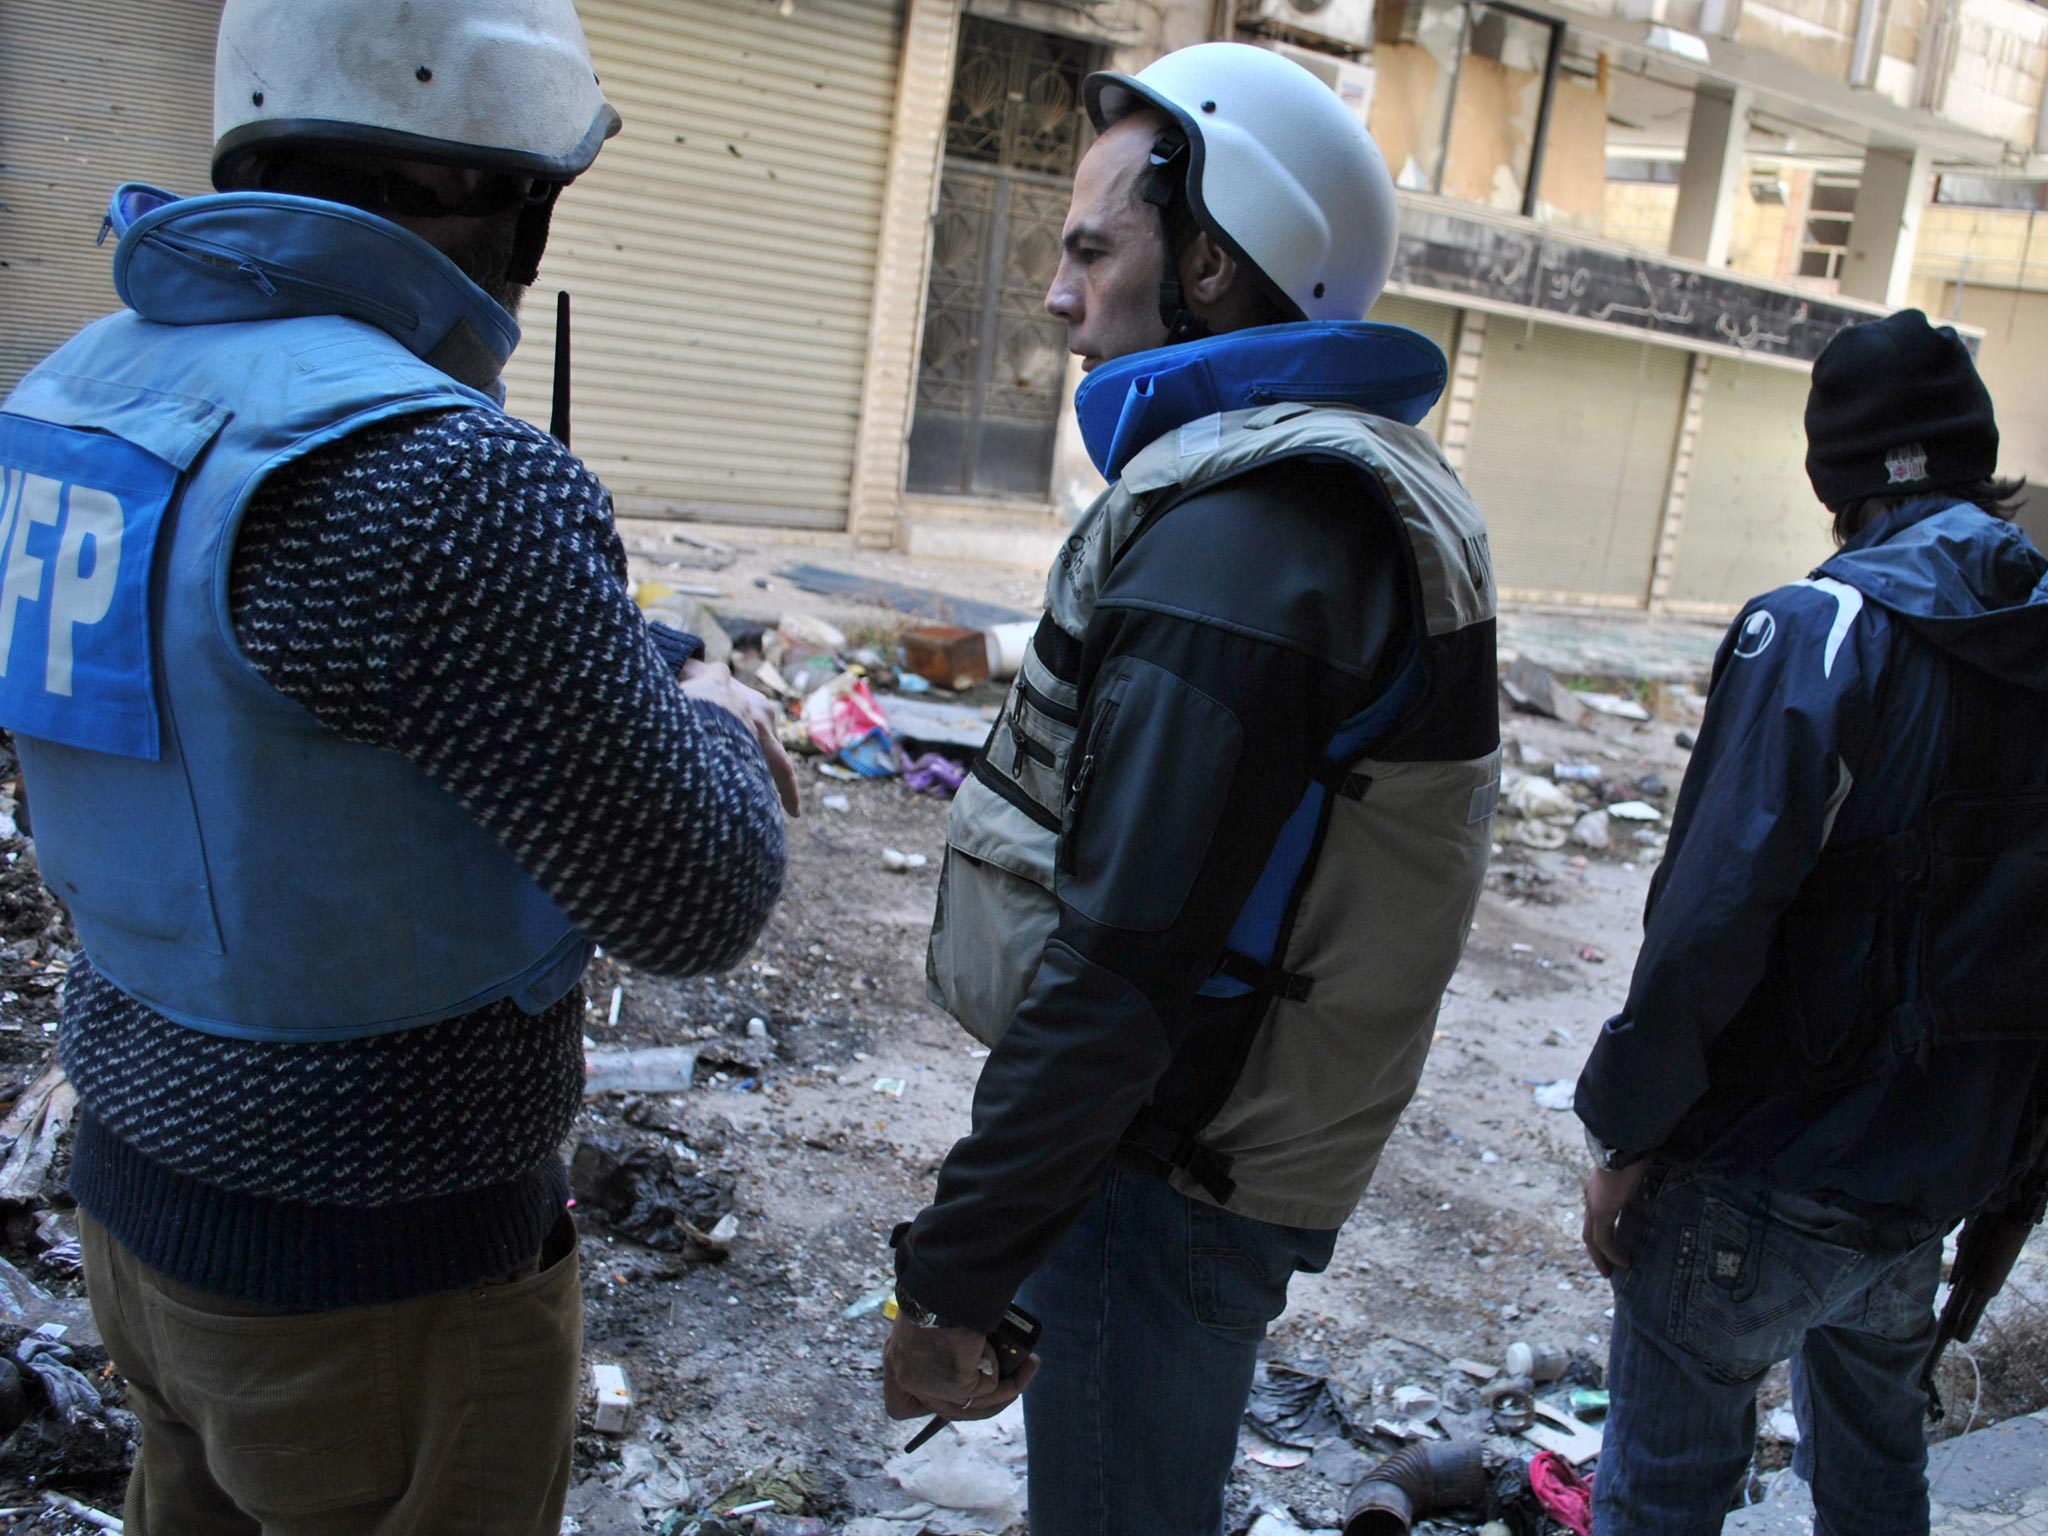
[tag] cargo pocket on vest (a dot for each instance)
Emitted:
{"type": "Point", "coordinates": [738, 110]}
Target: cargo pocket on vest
{"type": "Point", "coordinates": [995, 912]}
{"type": "Point", "coordinates": [1152, 737]}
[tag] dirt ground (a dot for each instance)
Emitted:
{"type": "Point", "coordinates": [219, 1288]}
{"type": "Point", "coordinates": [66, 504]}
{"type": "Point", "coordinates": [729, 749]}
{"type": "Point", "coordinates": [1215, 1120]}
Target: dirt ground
{"type": "Point", "coordinates": [827, 1090]}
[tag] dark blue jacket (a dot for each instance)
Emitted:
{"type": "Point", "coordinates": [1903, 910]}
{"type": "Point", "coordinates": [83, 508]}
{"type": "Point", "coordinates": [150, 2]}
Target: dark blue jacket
{"type": "Point", "coordinates": [1827, 725]}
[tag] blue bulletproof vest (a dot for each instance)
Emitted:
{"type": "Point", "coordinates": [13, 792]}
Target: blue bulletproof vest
{"type": "Point", "coordinates": [227, 859]}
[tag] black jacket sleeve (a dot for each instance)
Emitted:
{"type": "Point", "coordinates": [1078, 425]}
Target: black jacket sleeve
{"type": "Point", "coordinates": [1240, 628]}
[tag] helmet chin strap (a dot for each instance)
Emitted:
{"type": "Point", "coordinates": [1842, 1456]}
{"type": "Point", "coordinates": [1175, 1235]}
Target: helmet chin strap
{"type": "Point", "coordinates": [1166, 183]}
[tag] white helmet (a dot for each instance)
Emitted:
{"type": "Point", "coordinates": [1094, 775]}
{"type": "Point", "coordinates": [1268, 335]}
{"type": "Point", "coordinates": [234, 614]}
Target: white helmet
{"type": "Point", "coordinates": [1280, 171]}
{"type": "Point", "coordinates": [495, 85]}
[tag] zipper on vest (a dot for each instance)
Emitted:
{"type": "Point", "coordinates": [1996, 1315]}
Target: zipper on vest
{"type": "Point", "coordinates": [1287, 394]}
{"type": "Point", "coordinates": [1046, 706]}
{"type": "Point", "coordinates": [1038, 752]}
{"type": "Point", "coordinates": [213, 260]}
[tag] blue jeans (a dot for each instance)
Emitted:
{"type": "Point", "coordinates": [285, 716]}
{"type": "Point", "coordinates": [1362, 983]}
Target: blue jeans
{"type": "Point", "coordinates": [1154, 1307]}
{"type": "Point", "coordinates": [1721, 1290]}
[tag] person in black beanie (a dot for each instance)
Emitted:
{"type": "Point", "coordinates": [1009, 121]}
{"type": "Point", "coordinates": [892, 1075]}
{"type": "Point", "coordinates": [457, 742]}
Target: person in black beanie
{"type": "Point", "coordinates": [1833, 1048]}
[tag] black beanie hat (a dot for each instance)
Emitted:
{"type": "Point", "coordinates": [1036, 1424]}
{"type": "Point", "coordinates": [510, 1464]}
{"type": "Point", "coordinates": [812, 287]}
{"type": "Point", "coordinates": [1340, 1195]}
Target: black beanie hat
{"type": "Point", "coordinates": [1897, 407]}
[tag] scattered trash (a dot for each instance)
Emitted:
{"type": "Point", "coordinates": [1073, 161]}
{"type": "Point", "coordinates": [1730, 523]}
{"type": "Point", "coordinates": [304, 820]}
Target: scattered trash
{"type": "Point", "coordinates": [1592, 830]}
{"type": "Point", "coordinates": [910, 682]}
{"type": "Point", "coordinates": [1557, 1095]}
{"type": "Point", "coordinates": [25, 1304]}
{"type": "Point", "coordinates": [1686, 740]}
{"type": "Point", "coordinates": [1589, 1403]}
{"type": "Point", "coordinates": [934, 774]}
{"type": "Point", "coordinates": [1477, 1370]}
{"type": "Point", "coordinates": [652, 1069]}
{"type": "Point", "coordinates": [1512, 1402]}
{"type": "Point", "coordinates": [1782, 1425]}
{"type": "Point", "coordinates": [969, 1479]}
{"type": "Point", "coordinates": [841, 713]}
{"type": "Point", "coordinates": [1295, 1407]}
{"type": "Point", "coordinates": [85, 1512]}
{"type": "Point", "coordinates": [1538, 1362]}
{"type": "Point", "coordinates": [919, 602]}
{"type": "Point", "coordinates": [1580, 773]}
{"type": "Point", "coordinates": [902, 863]}
{"type": "Point", "coordinates": [1556, 1430]}
{"type": "Point", "coordinates": [1270, 1522]}
{"type": "Point", "coordinates": [678, 608]}
{"type": "Point", "coordinates": [1591, 956]}
{"type": "Point", "coordinates": [1536, 797]}
{"type": "Point", "coordinates": [945, 654]}
{"type": "Point", "coordinates": [789, 1525]}
{"type": "Point", "coordinates": [61, 1421]}
{"type": "Point", "coordinates": [1531, 689]}
{"type": "Point", "coordinates": [30, 1132]}
{"type": "Point", "coordinates": [1565, 1496]}
{"type": "Point", "coordinates": [1007, 644]}
{"type": "Point", "coordinates": [872, 756]}
{"type": "Point", "coordinates": [1635, 810]}
{"type": "Point", "coordinates": [1282, 1458]}
{"type": "Point", "coordinates": [870, 1303]}
{"type": "Point", "coordinates": [650, 1195]}
{"type": "Point", "coordinates": [1407, 1429]}
{"type": "Point", "coordinates": [808, 629]}
{"type": "Point", "coordinates": [1540, 834]}
{"type": "Point", "coordinates": [961, 727]}
{"type": "Point", "coordinates": [1416, 1402]}
{"type": "Point", "coordinates": [757, 1029]}
{"type": "Point", "coordinates": [1421, 1480]}
{"type": "Point", "coordinates": [1618, 706]}
{"type": "Point", "coordinates": [838, 771]}
{"type": "Point", "coordinates": [1651, 787]}
{"type": "Point", "coordinates": [647, 1477]}
{"type": "Point", "coordinates": [893, 1086]}
{"type": "Point", "coordinates": [836, 803]}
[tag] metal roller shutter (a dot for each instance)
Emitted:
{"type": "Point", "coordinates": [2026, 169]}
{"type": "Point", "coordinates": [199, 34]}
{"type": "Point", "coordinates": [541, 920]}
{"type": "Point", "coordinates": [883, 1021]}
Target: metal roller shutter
{"type": "Point", "coordinates": [1570, 459]}
{"type": "Point", "coordinates": [1439, 322]}
{"type": "Point", "coordinates": [1751, 520]}
{"type": "Point", "coordinates": [90, 97]}
{"type": "Point", "coordinates": [721, 256]}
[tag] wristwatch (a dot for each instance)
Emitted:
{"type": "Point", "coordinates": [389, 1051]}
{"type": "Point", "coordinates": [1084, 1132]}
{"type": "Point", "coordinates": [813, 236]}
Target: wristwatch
{"type": "Point", "coordinates": [915, 1313]}
{"type": "Point", "coordinates": [1610, 1159]}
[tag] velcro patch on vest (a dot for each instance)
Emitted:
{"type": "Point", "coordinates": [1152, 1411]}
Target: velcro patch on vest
{"type": "Point", "coordinates": [1485, 801]}
{"type": "Point", "coordinates": [79, 517]}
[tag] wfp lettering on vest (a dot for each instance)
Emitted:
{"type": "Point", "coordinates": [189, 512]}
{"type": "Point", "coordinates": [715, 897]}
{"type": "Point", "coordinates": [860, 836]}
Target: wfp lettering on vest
{"type": "Point", "coordinates": [79, 517]}
{"type": "Point", "coordinates": [75, 589]}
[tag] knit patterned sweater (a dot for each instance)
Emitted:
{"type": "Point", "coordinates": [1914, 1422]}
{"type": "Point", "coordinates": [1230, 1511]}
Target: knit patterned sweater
{"type": "Point", "coordinates": [451, 587]}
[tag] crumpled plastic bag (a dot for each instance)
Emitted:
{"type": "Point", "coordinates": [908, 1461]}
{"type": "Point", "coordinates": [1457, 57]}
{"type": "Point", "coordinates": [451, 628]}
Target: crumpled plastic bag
{"type": "Point", "coordinates": [1295, 1407]}
{"type": "Point", "coordinates": [69, 1390]}
{"type": "Point", "coordinates": [841, 713]}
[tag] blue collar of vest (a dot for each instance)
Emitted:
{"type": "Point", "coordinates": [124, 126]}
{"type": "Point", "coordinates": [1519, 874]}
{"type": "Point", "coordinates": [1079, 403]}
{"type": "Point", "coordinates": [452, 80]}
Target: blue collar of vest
{"type": "Point", "coordinates": [232, 256]}
{"type": "Point", "coordinates": [1388, 370]}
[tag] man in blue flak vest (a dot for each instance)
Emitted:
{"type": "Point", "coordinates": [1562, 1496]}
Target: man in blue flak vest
{"type": "Point", "coordinates": [345, 743]}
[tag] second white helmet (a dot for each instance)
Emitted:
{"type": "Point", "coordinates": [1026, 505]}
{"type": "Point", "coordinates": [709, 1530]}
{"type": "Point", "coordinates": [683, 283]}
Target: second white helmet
{"type": "Point", "coordinates": [1281, 172]}
{"type": "Point", "coordinates": [496, 85]}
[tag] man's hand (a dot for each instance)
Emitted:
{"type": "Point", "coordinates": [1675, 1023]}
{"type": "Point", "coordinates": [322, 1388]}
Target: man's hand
{"type": "Point", "coordinates": [1606, 1193]}
{"type": "Point", "coordinates": [947, 1371]}
{"type": "Point", "coordinates": [714, 683]}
